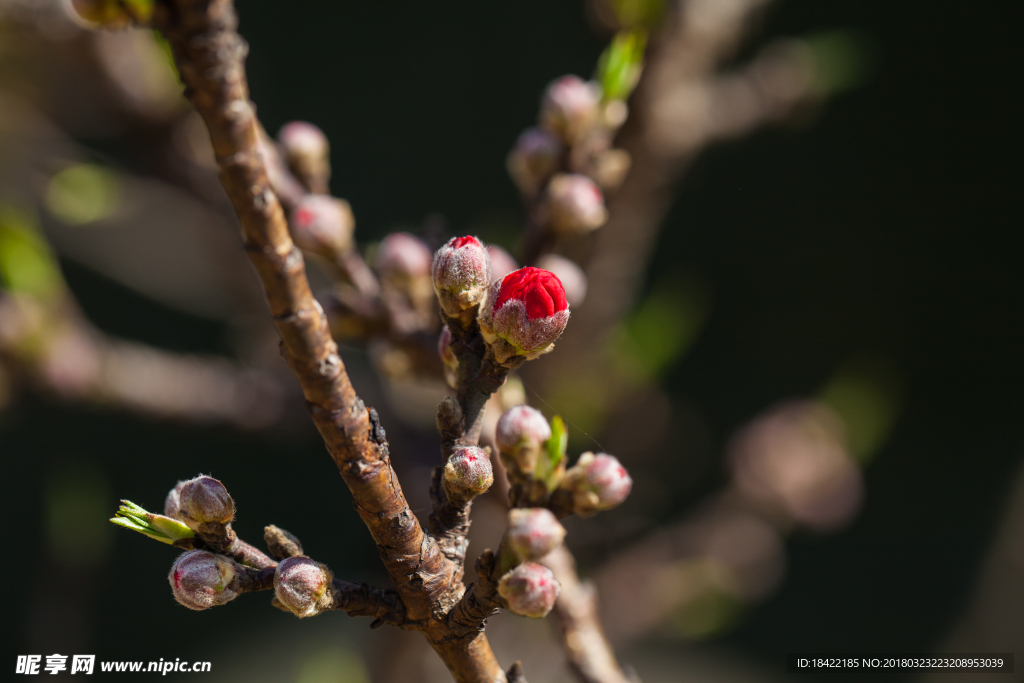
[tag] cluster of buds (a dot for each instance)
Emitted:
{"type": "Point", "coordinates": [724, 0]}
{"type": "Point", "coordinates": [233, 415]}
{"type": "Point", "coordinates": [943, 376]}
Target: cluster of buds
{"type": "Point", "coordinates": [301, 585]}
{"type": "Point", "coordinates": [199, 502]}
{"type": "Point", "coordinates": [461, 272]}
{"type": "Point", "coordinates": [323, 225]}
{"type": "Point", "coordinates": [525, 312]}
{"type": "Point", "coordinates": [201, 579]}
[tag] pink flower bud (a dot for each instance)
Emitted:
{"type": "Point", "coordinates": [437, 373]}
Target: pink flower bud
{"type": "Point", "coordinates": [570, 106]}
{"type": "Point", "coordinates": [521, 428]}
{"type": "Point", "coordinates": [525, 313]}
{"type": "Point", "coordinates": [468, 472]}
{"type": "Point", "coordinates": [448, 358]}
{"type": "Point", "coordinates": [300, 584]}
{"type": "Point", "coordinates": [534, 159]}
{"type": "Point", "coordinates": [502, 262]}
{"type": "Point", "coordinates": [530, 590]}
{"type": "Point", "coordinates": [172, 504]}
{"type": "Point", "coordinates": [205, 500]}
{"type": "Point", "coordinates": [461, 272]}
{"type": "Point", "coordinates": [201, 579]}
{"type": "Point", "coordinates": [533, 532]}
{"type": "Point", "coordinates": [323, 224]}
{"type": "Point", "coordinates": [598, 482]}
{"type": "Point", "coordinates": [403, 256]}
{"type": "Point", "coordinates": [575, 205]}
{"type": "Point", "coordinates": [302, 140]}
{"type": "Point", "coordinates": [569, 274]}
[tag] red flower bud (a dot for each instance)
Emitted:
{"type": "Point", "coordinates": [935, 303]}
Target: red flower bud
{"type": "Point", "coordinates": [201, 579]}
{"type": "Point", "coordinates": [300, 584]}
{"type": "Point", "coordinates": [205, 500]}
{"type": "Point", "coordinates": [572, 277]}
{"type": "Point", "coordinates": [468, 473]}
{"type": "Point", "coordinates": [534, 159]}
{"type": "Point", "coordinates": [461, 272]}
{"type": "Point", "coordinates": [502, 262]}
{"type": "Point", "coordinates": [525, 313]}
{"type": "Point", "coordinates": [533, 532]}
{"type": "Point", "coordinates": [323, 224]}
{"type": "Point", "coordinates": [448, 358]}
{"type": "Point", "coordinates": [598, 482]}
{"type": "Point", "coordinates": [570, 106]}
{"type": "Point", "coordinates": [530, 590]}
{"type": "Point", "coordinates": [403, 256]}
{"type": "Point", "coordinates": [575, 204]}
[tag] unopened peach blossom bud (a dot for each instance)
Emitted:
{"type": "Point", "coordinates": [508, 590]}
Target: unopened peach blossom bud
{"type": "Point", "coordinates": [468, 473]}
{"type": "Point", "coordinates": [520, 435]}
{"type": "Point", "coordinates": [502, 262]}
{"type": "Point", "coordinates": [323, 224]}
{"type": "Point", "coordinates": [201, 579]}
{"type": "Point", "coordinates": [570, 106]}
{"type": "Point", "coordinates": [533, 532]}
{"type": "Point", "coordinates": [530, 590]}
{"type": "Point", "coordinates": [597, 482]}
{"type": "Point", "coordinates": [172, 504]}
{"type": "Point", "coordinates": [572, 277]}
{"type": "Point", "coordinates": [524, 314]}
{"type": "Point", "coordinates": [300, 584]}
{"type": "Point", "coordinates": [461, 272]}
{"type": "Point", "coordinates": [534, 159]}
{"type": "Point", "coordinates": [204, 500]}
{"type": "Point", "coordinates": [401, 256]}
{"type": "Point", "coordinates": [574, 204]}
{"type": "Point", "coordinates": [448, 358]}
{"type": "Point", "coordinates": [303, 144]}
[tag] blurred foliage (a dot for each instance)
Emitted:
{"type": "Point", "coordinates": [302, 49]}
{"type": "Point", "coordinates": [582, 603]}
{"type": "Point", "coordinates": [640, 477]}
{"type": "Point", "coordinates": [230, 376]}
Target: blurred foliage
{"type": "Point", "coordinates": [83, 193]}
{"type": "Point", "coordinates": [27, 266]}
{"type": "Point", "coordinates": [843, 59]}
{"type": "Point", "coordinates": [637, 13]}
{"type": "Point", "coordinates": [618, 69]}
{"type": "Point", "coordinates": [866, 393]}
{"type": "Point", "coordinates": [76, 496]}
{"type": "Point", "coordinates": [331, 665]}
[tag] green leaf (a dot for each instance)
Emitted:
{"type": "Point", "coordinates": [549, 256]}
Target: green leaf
{"type": "Point", "coordinates": [26, 264]}
{"type": "Point", "coordinates": [555, 448]}
{"type": "Point", "coordinates": [619, 67]}
{"type": "Point", "coordinates": [157, 527]}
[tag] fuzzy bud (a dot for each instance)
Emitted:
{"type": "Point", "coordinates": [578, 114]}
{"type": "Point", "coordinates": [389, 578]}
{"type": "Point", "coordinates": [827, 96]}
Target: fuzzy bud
{"type": "Point", "coordinates": [172, 504]}
{"type": "Point", "coordinates": [323, 225]}
{"type": "Point", "coordinates": [525, 313]}
{"type": "Point", "coordinates": [530, 590]}
{"type": "Point", "coordinates": [468, 473]}
{"type": "Point", "coordinates": [572, 277]}
{"type": "Point", "coordinates": [401, 256]}
{"type": "Point", "coordinates": [533, 532]}
{"type": "Point", "coordinates": [534, 159]}
{"type": "Point", "coordinates": [303, 142]}
{"type": "Point", "coordinates": [461, 272]}
{"type": "Point", "coordinates": [204, 500]}
{"type": "Point", "coordinates": [502, 262]}
{"type": "Point", "coordinates": [300, 584]}
{"type": "Point", "coordinates": [570, 107]}
{"type": "Point", "coordinates": [520, 434]}
{"type": "Point", "coordinates": [201, 579]}
{"type": "Point", "coordinates": [448, 358]}
{"type": "Point", "coordinates": [597, 482]}
{"type": "Point", "coordinates": [574, 204]}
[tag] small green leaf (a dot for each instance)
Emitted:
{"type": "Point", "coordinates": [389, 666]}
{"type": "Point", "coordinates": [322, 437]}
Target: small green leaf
{"type": "Point", "coordinates": [618, 69]}
{"type": "Point", "coordinates": [27, 265]}
{"type": "Point", "coordinates": [555, 448]}
{"type": "Point", "coordinates": [157, 527]}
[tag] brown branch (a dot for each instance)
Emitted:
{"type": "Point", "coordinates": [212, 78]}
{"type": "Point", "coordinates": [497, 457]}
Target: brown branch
{"type": "Point", "coordinates": [209, 54]}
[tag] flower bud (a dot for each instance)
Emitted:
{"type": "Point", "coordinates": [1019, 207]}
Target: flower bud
{"type": "Point", "coordinates": [569, 274]}
{"type": "Point", "coordinates": [533, 532]}
{"type": "Point", "coordinates": [525, 313]}
{"type": "Point", "coordinates": [597, 482]}
{"type": "Point", "coordinates": [323, 225]}
{"type": "Point", "coordinates": [172, 504]}
{"type": "Point", "coordinates": [461, 272]}
{"type": "Point", "coordinates": [204, 500]}
{"type": "Point", "coordinates": [300, 584]}
{"type": "Point", "coordinates": [520, 434]}
{"type": "Point", "coordinates": [534, 159]}
{"type": "Point", "coordinates": [574, 204]}
{"type": "Point", "coordinates": [570, 106]}
{"type": "Point", "coordinates": [468, 473]}
{"type": "Point", "coordinates": [201, 579]}
{"type": "Point", "coordinates": [401, 256]}
{"type": "Point", "coordinates": [530, 590]}
{"type": "Point", "coordinates": [502, 262]}
{"type": "Point", "coordinates": [448, 358]}
{"type": "Point", "coordinates": [307, 153]}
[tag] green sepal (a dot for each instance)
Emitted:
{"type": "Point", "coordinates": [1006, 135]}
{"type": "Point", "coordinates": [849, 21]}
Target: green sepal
{"type": "Point", "coordinates": [618, 69]}
{"type": "Point", "coordinates": [157, 527]}
{"type": "Point", "coordinates": [551, 467]}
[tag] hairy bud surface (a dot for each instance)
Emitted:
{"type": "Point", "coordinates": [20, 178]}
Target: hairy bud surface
{"type": "Point", "coordinates": [530, 590]}
{"type": "Point", "coordinates": [525, 313]}
{"type": "Point", "coordinates": [201, 579]}
{"type": "Point", "coordinates": [300, 584]}
{"type": "Point", "coordinates": [533, 532]}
